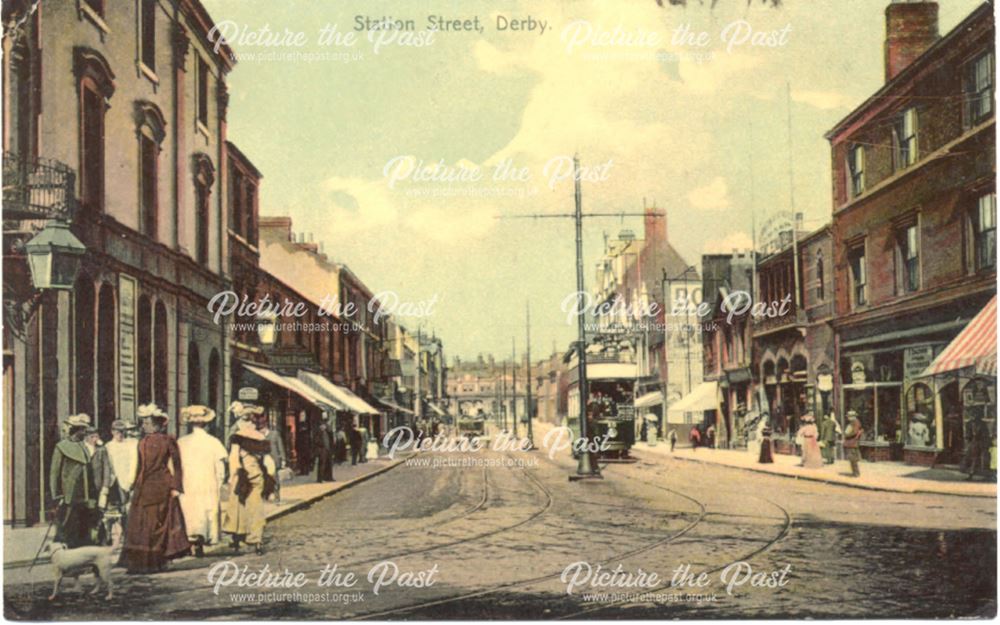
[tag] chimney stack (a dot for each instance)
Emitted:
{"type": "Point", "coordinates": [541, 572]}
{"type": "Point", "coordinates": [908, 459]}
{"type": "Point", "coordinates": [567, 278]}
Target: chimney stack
{"type": "Point", "coordinates": [911, 26]}
{"type": "Point", "coordinates": [654, 226]}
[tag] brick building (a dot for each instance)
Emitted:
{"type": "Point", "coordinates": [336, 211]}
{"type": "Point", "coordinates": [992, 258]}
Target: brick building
{"type": "Point", "coordinates": [914, 230]}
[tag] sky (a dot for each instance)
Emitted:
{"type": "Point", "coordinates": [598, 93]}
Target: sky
{"type": "Point", "coordinates": [406, 153]}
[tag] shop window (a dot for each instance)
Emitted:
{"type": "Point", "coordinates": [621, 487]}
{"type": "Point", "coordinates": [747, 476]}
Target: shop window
{"type": "Point", "coordinates": [107, 358]}
{"type": "Point", "coordinates": [979, 89]}
{"type": "Point", "coordinates": [194, 375]}
{"type": "Point", "coordinates": [144, 350]}
{"type": "Point", "coordinates": [160, 350]}
{"type": "Point", "coordinates": [984, 229]}
{"type": "Point", "coordinates": [83, 294]}
{"type": "Point", "coordinates": [920, 429]}
{"type": "Point", "coordinates": [214, 379]}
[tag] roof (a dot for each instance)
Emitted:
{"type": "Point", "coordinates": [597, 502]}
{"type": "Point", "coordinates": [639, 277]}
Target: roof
{"type": "Point", "coordinates": [878, 99]}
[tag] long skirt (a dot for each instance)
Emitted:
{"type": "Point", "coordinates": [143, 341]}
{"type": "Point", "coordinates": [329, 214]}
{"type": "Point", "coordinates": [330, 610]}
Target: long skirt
{"type": "Point", "coordinates": [76, 524]}
{"type": "Point", "coordinates": [155, 533]}
{"type": "Point", "coordinates": [766, 456]}
{"type": "Point", "coordinates": [811, 457]}
{"type": "Point", "coordinates": [245, 521]}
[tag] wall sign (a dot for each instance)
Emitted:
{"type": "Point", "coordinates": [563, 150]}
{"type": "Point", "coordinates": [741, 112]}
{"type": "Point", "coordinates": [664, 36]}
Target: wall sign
{"type": "Point", "coordinates": [126, 348]}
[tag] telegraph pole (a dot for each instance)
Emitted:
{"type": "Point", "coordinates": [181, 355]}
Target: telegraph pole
{"type": "Point", "coordinates": [583, 469]}
{"type": "Point", "coordinates": [503, 396]}
{"type": "Point", "coordinates": [527, 346]}
{"type": "Point", "coordinates": [513, 384]}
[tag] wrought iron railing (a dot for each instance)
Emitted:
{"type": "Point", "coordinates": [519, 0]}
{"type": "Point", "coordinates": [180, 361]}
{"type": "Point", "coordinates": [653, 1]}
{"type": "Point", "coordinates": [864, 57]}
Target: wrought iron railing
{"type": "Point", "coordinates": [40, 188]}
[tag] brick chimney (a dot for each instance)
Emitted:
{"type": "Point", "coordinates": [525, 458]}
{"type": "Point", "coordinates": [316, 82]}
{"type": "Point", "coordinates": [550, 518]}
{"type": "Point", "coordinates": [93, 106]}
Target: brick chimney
{"type": "Point", "coordinates": [655, 227]}
{"type": "Point", "coordinates": [911, 26]}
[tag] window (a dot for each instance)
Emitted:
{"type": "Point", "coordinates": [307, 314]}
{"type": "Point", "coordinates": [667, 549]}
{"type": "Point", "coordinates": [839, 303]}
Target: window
{"type": "Point", "coordinates": [147, 33]}
{"type": "Point", "coordinates": [906, 138]}
{"type": "Point", "coordinates": [820, 278]}
{"type": "Point", "coordinates": [984, 227]}
{"type": "Point", "coordinates": [202, 77]}
{"type": "Point", "coordinates": [148, 152]}
{"type": "Point", "coordinates": [203, 180]}
{"type": "Point", "coordinates": [909, 256]}
{"type": "Point", "coordinates": [859, 276]}
{"type": "Point", "coordinates": [856, 166]}
{"type": "Point", "coordinates": [979, 89]}
{"type": "Point", "coordinates": [92, 149]}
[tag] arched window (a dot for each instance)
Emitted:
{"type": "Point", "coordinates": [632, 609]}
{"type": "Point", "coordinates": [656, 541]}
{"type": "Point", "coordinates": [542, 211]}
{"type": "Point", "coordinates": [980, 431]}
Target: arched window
{"type": "Point", "coordinates": [204, 178]}
{"type": "Point", "coordinates": [150, 130]}
{"type": "Point", "coordinates": [160, 356]}
{"type": "Point", "coordinates": [96, 85]}
{"type": "Point", "coordinates": [107, 358]}
{"type": "Point", "coordinates": [194, 375]}
{"type": "Point", "coordinates": [144, 350]}
{"type": "Point", "coordinates": [83, 304]}
{"type": "Point", "coordinates": [214, 380]}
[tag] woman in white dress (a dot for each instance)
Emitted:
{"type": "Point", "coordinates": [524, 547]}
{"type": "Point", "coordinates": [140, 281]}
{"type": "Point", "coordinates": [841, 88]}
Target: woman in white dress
{"type": "Point", "coordinates": [204, 460]}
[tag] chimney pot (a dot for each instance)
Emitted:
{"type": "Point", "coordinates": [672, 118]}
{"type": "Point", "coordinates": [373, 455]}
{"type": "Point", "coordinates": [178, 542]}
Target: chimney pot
{"type": "Point", "coordinates": [910, 28]}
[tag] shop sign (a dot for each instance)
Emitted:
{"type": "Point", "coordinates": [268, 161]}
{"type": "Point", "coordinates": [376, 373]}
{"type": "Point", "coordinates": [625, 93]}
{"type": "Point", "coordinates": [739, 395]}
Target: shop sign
{"type": "Point", "coordinates": [916, 360]}
{"type": "Point", "coordinates": [126, 346]}
{"type": "Point", "coordinates": [824, 382]}
{"type": "Point", "coordinates": [248, 393]}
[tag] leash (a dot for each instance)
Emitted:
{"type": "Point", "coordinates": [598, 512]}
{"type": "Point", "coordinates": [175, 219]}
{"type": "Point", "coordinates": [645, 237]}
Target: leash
{"type": "Point", "coordinates": [45, 538]}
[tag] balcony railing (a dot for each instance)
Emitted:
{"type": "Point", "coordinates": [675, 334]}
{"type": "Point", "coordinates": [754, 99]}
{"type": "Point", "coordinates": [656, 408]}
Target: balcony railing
{"type": "Point", "coordinates": [38, 188]}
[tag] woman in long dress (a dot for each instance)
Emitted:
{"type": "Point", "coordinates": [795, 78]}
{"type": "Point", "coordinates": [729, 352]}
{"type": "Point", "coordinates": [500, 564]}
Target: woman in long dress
{"type": "Point", "coordinates": [155, 531]}
{"type": "Point", "coordinates": [812, 458]}
{"type": "Point", "coordinates": [251, 482]}
{"type": "Point", "coordinates": [204, 475]}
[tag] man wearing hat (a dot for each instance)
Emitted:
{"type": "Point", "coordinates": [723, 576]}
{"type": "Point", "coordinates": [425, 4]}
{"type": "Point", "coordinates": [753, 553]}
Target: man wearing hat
{"type": "Point", "coordinates": [828, 438]}
{"type": "Point", "coordinates": [204, 460]}
{"type": "Point", "coordinates": [72, 486]}
{"type": "Point", "coordinates": [852, 437]}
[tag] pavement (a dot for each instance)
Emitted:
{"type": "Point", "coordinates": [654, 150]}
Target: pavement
{"type": "Point", "coordinates": [884, 476]}
{"type": "Point", "coordinates": [21, 544]}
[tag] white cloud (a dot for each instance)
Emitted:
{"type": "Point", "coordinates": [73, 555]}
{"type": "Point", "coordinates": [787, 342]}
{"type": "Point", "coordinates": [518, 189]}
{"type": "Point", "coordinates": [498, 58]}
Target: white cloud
{"type": "Point", "coordinates": [725, 245]}
{"type": "Point", "coordinates": [713, 196]}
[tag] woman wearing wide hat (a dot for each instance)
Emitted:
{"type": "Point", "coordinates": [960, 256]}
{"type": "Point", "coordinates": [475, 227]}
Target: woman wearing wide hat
{"type": "Point", "coordinates": [204, 458]}
{"type": "Point", "coordinates": [251, 481]}
{"type": "Point", "coordinates": [155, 531]}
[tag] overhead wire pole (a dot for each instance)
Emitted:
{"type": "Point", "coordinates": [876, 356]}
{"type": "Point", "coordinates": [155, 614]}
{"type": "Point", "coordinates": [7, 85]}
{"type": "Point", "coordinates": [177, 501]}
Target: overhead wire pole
{"type": "Point", "coordinates": [529, 409]}
{"type": "Point", "coordinates": [584, 469]}
{"type": "Point", "coordinates": [513, 385]}
{"type": "Point", "coordinates": [791, 202]}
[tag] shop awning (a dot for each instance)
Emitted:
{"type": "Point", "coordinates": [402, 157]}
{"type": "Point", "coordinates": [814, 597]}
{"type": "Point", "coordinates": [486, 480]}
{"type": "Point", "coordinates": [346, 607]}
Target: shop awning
{"type": "Point", "coordinates": [291, 384]}
{"type": "Point", "coordinates": [393, 405]}
{"type": "Point", "coordinates": [649, 399]}
{"type": "Point", "coordinates": [610, 370]}
{"type": "Point", "coordinates": [344, 397]}
{"type": "Point", "coordinates": [702, 398]}
{"type": "Point", "coordinates": [975, 346]}
{"type": "Point", "coordinates": [436, 409]}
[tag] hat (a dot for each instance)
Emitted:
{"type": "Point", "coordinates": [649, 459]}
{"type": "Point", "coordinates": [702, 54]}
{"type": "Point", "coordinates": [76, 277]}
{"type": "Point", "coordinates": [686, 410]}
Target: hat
{"type": "Point", "coordinates": [197, 414]}
{"type": "Point", "coordinates": [78, 420]}
{"type": "Point", "coordinates": [150, 410]}
{"type": "Point", "coordinates": [122, 425]}
{"type": "Point", "coordinates": [808, 418]}
{"type": "Point", "coordinates": [90, 430]}
{"type": "Point", "coordinates": [852, 413]}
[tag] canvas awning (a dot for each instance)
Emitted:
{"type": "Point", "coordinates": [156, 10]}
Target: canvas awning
{"type": "Point", "coordinates": [702, 397]}
{"type": "Point", "coordinates": [649, 399]}
{"type": "Point", "coordinates": [344, 397]}
{"type": "Point", "coordinates": [975, 346]}
{"type": "Point", "coordinates": [393, 405]}
{"type": "Point", "coordinates": [436, 408]}
{"type": "Point", "coordinates": [291, 384]}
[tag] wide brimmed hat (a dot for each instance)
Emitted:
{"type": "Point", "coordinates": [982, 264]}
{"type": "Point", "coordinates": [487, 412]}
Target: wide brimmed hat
{"type": "Point", "coordinates": [77, 420]}
{"type": "Point", "coordinates": [808, 418]}
{"type": "Point", "coordinates": [150, 410]}
{"type": "Point", "coordinates": [197, 414]}
{"type": "Point", "coordinates": [852, 413]}
{"type": "Point", "coordinates": [122, 425]}
{"type": "Point", "coordinates": [244, 411]}
{"type": "Point", "coordinates": [918, 416]}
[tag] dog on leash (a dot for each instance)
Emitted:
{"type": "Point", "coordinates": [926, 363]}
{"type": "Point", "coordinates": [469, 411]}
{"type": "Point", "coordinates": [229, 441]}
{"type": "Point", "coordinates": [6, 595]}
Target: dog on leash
{"type": "Point", "coordinates": [98, 559]}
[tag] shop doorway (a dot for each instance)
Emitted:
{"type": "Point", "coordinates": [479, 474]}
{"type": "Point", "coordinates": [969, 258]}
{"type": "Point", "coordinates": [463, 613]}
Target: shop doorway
{"type": "Point", "coordinates": [954, 430]}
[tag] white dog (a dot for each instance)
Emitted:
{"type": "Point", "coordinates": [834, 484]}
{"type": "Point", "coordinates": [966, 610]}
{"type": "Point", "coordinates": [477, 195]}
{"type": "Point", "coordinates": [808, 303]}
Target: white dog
{"type": "Point", "coordinates": [98, 559]}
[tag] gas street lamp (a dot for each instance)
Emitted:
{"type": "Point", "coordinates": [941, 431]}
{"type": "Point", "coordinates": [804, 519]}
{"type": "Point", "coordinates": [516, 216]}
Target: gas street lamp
{"type": "Point", "coordinates": [54, 256]}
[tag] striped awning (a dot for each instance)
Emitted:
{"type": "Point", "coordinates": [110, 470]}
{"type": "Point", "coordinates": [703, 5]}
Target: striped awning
{"type": "Point", "coordinates": [975, 346]}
